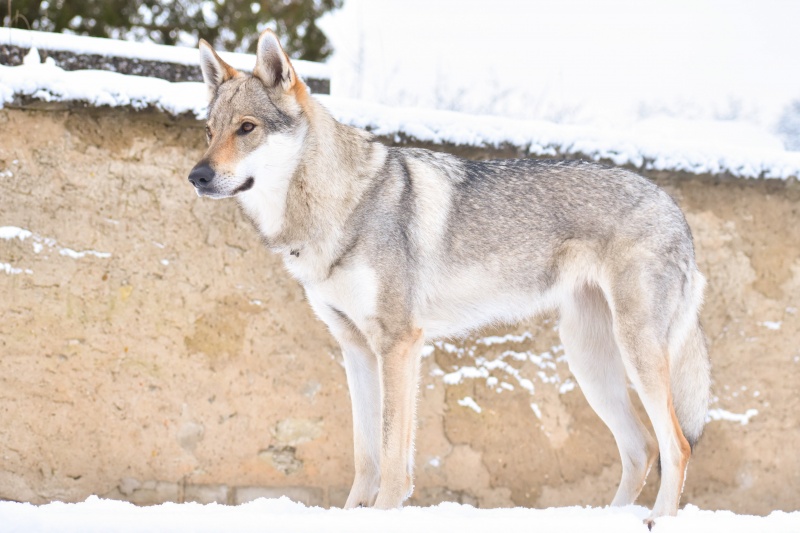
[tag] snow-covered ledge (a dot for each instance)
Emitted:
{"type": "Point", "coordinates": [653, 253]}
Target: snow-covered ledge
{"type": "Point", "coordinates": [171, 63]}
{"type": "Point", "coordinates": [35, 82]}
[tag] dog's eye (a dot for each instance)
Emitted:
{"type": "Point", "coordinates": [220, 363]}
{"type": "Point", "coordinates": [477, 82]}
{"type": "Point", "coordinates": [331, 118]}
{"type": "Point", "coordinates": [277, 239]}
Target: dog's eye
{"type": "Point", "coordinates": [246, 127]}
{"type": "Point", "coordinates": [208, 133]}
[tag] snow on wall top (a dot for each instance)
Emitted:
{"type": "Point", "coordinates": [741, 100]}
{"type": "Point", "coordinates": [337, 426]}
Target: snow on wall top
{"type": "Point", "coordinates": [145, 51]}
{"type": "Point", "coordinates": [695, 150]}
{"type": "Point", "coordinates": [49, 83]}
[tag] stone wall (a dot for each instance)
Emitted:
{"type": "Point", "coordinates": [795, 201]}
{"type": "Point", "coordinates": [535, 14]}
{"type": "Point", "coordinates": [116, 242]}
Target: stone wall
{"type": "Point", "coordinates": [152, 350]}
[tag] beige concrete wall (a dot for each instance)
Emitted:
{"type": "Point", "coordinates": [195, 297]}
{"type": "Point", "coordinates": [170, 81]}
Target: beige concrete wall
{"type": "Point", "coordinates": [186, 364]}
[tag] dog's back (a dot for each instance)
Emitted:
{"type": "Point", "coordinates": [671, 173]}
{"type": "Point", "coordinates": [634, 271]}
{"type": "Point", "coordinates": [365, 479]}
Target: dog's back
{"type": "Point", "coordinates": [494, 241]}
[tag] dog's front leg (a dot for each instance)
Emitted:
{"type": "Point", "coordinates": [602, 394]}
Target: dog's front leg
{"type": "Point", "coordinates": [361, 366]}
{"type": "Point", "coordinates": [399, 374]}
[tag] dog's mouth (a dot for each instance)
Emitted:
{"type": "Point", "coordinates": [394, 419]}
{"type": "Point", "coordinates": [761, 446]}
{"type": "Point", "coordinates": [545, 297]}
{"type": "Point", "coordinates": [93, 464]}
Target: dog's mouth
{"type": "Point", "coordinates": [210, 191]}
{"type": "Point", "coordinates": [246, 186]}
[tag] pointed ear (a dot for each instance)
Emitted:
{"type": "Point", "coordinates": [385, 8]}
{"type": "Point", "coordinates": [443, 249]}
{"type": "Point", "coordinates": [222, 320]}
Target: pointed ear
{"type": "Point", "coordinates": [273, 67]}
{"type": "Point", "coordinates": [215, 70]}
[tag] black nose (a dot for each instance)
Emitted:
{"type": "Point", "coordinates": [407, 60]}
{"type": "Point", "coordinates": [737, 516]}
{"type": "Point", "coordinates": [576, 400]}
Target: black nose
{"type": "Point", "coordinates": [201, 175]}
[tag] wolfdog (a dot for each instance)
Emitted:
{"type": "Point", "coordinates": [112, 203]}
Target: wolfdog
{"type": "Point", "coordinates": [394, 246]}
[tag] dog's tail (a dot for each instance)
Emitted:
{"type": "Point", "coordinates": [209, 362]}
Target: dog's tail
{"type": "Point", "coordinates": [690, 369]}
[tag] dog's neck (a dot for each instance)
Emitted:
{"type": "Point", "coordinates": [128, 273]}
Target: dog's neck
{"type": "Point", "coordinates": [333, 172]}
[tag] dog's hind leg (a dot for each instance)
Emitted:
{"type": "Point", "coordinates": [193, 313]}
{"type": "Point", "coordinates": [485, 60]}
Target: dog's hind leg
{"type": "Point", "coordinates": [594, 359]}
{"type": "Point", "coordinates": [399, 374]}
{"type": "Point", "coordinates": [643, 299]}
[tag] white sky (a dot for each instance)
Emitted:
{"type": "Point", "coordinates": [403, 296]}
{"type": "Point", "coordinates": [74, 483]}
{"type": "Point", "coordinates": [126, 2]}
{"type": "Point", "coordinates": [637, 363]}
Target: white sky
{"type": "Point", "coordinates": [583, 60]}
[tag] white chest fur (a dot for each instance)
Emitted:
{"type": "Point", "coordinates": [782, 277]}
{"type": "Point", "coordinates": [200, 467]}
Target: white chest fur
{"type": "Point", "coordinates": [351, 290]}
{"type": "Point", "coordinates": [271, 166]}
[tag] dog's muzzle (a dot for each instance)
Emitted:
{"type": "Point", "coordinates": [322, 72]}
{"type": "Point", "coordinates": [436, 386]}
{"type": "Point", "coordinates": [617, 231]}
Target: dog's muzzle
{"type": "Point", "coordinates": [201, 176]}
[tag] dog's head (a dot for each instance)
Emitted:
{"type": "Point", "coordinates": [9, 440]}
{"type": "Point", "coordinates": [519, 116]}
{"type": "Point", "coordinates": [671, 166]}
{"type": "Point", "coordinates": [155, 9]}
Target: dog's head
{"type": "Point", "coordinates": [255, 122]}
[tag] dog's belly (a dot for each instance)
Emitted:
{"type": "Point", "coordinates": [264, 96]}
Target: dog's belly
{"type": "Point", "coordinates": [459, 306]}
{"type": "Point", "coordinates": [446, 323]}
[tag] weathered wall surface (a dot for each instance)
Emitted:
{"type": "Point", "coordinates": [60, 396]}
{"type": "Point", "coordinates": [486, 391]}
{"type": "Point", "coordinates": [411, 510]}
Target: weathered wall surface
{"type": "Point", "coordinates": [152, 350]}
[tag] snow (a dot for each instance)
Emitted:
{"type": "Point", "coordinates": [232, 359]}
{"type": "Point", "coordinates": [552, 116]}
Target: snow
{"type": "Point", "coordinates": [283, 515]}
{"type": "Point", "coordinates": [566, 387]}
{"type": "Point", "coordinates": [80, 255]}
{"type": "Point", "coordinates": [510, 337]}
{"type": "Point", "coordinates": [467, 401]}
{"type": "Point", "coordinates": [698, 153]}
{"type": "Point", "coordinates": [482, 367]}
{"type": "Point", "coordinates": [482, 370]}
{"type": "Point", "coordinates": [11, 271]}
{"type": "Point", "coordinates": [12, 232]}
{"type": "Point", "coordinates": [697, 150]}
{"type": "Point", "coordinates": [722, 414]}
{"type": "Point", "coordinates": [48, 83]}
{"type": "Point", "coordinates": [465, 372]}
{"type": "Point", "coordinates": [142, 51]}
{"type": "Point", "coordinates": [772, 325]}
{"type": "Point", "coordinates": [9, 233]}
{"type": "Point", "coordinates": [472, 366]}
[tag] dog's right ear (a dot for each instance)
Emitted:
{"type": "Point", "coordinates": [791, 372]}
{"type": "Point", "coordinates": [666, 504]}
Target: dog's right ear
{"type": "Point", "coordinates": [215, 70]}
{"type": "Point", "coordinates": [273, 67]}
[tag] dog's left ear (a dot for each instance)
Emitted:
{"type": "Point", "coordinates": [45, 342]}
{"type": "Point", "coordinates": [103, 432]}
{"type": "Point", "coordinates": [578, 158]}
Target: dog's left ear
{"type": "Point", "coordinates": [273, 67]}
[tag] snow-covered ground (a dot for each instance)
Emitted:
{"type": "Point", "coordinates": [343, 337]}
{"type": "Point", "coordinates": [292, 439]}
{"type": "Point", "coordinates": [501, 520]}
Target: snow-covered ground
{"type": "Point", "coordinates": [662, 145]}
{"type": "Point", "coordinates": [284, 516]}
